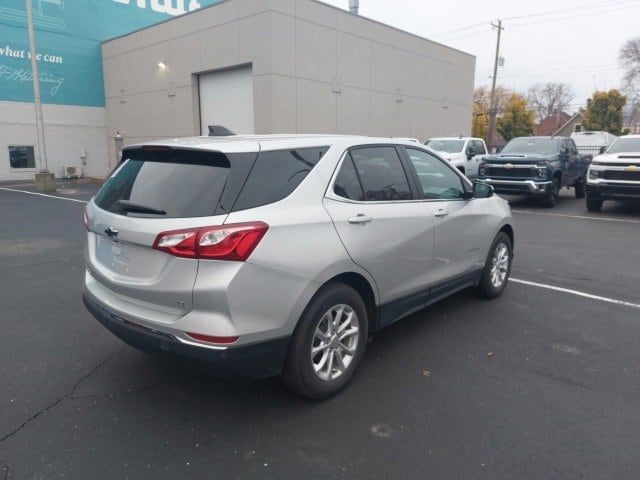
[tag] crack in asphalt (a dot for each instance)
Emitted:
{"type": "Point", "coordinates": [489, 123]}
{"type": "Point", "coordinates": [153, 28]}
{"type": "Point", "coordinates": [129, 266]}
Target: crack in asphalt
{"type": "Point", "coordinates": [60, 399]}
{"type": "Point", "coordinates": [552, 274]}
{"type": "Point", "coordinates": [124, 393]}
{"type": "Point", "coordinates": [5, 470]}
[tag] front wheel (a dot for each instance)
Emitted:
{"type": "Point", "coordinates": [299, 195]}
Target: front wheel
{"type": "Point", "coordinates": [594, 204]}
{"type": "Point", "coordinates": [580, 189]}
{"type": "Point", "coordinates": [328, 344]}
{"type": "Point", "coordinates": [497, 269]}
{"type": "Point", "coordinates": [551, 197]}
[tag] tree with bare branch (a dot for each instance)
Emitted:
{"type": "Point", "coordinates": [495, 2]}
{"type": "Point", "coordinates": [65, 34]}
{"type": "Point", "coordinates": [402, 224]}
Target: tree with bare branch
{"type": "Point", "coordinates": [629, 59]}
{"type": "Point", "coordinates": [548, 98]}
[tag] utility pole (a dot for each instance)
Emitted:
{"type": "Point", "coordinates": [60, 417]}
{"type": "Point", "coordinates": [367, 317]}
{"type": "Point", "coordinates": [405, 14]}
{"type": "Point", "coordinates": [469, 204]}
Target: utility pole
{"type": "Point", "coordinates": [493, 111]}
{"type": "Point", "coordinates": [44, 179]}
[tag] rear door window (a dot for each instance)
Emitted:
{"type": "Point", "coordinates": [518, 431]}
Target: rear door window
{"type": "Point", "coordinates": [179, 183]}
{"type": "Point", "coordinates": [276, 174]}
{"type": "Point", "coordinates": [347, 183]}
{"type": "Point", "coordinates": [381, 173]}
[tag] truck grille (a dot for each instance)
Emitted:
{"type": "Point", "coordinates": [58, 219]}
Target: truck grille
{"type": "Point", "coordinates": [511, 172]}
{"type": "Point", "coordinates": [620, 175]}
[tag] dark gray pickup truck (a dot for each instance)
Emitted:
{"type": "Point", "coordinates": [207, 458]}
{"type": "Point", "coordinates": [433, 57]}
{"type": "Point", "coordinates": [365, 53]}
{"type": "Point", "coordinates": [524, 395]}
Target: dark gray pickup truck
{"type": "Point", "coordinates": [536, 166]}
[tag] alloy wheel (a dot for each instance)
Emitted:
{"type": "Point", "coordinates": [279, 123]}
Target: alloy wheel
{"type": "Point", "coordinates": [499, 265]}
{"type": "Point", "coordinates": [335, 342]}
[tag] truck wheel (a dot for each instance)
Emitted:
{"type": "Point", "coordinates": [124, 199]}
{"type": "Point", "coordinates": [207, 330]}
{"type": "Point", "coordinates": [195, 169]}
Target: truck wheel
{"type": "Point", "coordinates": [551, 197]}
{"type": "Point", "coordinates": [594, 204]}
{"type": "Point", "coordinates": [580, 189]}
{"type": "Point", "coordinates": [328, 344]}
{"type": "Point", "coordinates": [497, 269]}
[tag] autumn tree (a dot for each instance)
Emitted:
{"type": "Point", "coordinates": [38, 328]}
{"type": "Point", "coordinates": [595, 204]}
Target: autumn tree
{"type": "Point", "coordinates": [481, 103]}
{"type": "Point", "coordinates": [516, 119]}
{"type": "Point", "coordinates": [548, 98]}
{"type": "Point", "coordinates": [604, 112]}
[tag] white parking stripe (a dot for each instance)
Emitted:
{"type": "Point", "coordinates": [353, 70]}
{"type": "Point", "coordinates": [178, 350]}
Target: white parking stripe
{"type": "Point", "coordinates": [576, 292]}
{"type": "Point", "coordinates": [42, 195]}
{"type": "Point", "coordinates": [580, 217]}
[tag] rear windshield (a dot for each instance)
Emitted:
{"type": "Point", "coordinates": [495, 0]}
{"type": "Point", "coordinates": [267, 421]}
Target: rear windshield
{"type": "Point", "coordinates": [180, 183]}
{"type": "Point", "coordinates": [192, 183]}
{"type": "Point", "coordinates": [276, 175]}
{"type": "Point", "coordinates": [532, 145]}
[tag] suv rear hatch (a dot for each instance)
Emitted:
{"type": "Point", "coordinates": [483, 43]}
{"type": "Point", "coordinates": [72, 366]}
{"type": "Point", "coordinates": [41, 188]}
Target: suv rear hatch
{"type": "Point", "coordinates": [157, 189]}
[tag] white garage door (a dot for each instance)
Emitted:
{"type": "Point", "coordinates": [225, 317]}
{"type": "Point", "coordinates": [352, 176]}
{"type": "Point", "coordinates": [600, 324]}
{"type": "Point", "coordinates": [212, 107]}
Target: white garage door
{"type": "Point", "coordinates": [226, 99]}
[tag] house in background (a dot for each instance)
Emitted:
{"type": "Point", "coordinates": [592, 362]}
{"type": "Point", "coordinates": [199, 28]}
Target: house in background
{"type": "Point", "coordinates": [560, 124]}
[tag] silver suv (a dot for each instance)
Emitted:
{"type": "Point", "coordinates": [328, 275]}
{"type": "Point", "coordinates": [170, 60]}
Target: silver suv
{"type": "Point", "coordinates": [267, 255]}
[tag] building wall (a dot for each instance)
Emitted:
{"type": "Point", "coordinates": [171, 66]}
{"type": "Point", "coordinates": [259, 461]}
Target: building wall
{"type": "Point", "coordinates": [68, 130]}
{"type": "Point", "coordinates": [317, 69]}
{"type": "Point", "coordinates": [68, 38]}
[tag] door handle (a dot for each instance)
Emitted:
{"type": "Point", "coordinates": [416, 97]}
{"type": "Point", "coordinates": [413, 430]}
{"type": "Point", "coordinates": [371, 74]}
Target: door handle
{"type": "Point", "coordinates": [441, 213]}
{"type": "Point", "coordinates": [361, 219]}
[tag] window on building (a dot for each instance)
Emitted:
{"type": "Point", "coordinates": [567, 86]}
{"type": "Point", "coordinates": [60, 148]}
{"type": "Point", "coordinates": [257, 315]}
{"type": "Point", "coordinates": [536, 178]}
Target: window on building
{"type": "Point", "coordinates": [578, 127]}
{"type": "Point", "coordinates": [22, 156]}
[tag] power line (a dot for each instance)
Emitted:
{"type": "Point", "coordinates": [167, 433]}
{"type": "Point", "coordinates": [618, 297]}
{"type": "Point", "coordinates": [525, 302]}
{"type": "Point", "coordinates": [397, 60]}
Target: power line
{"type": "Point", "coordinates": [573, 17]}
{"type": "Point", "coordinates": [599, 4]}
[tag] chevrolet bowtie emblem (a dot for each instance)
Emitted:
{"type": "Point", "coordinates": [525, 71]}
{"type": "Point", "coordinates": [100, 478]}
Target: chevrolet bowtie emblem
{"type": "Point", "coordinates": [632, 168]}
{"type": "Point", "coordinates": [508, 165]}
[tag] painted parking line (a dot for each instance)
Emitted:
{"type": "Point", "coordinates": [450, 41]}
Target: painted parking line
{"type": "Point", "coordinates": [580, 217]}
{"type": "Point", "coordinates": [42, 195]}
{"type": "Point", "coordinates": [576, 293]}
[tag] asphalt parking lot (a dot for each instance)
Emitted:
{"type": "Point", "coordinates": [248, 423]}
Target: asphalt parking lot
{"type": "Point", "coordinates": [538, 384]}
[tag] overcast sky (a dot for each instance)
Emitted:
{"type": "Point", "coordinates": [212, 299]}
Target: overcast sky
{"type": "Point", "coordinates": [578, 43]}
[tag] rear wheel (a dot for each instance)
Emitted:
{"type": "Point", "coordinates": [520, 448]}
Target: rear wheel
{"type": "Point", "coordinates": [594, 204]}
{"type": "Point", "coordinates": [551, 197]}
{"type": "Point", "coordinates": [328, 344]}
{"type": "Point", "coordinates": [580, 189]}
{"type": "Point", "coordinates": [497, 269]}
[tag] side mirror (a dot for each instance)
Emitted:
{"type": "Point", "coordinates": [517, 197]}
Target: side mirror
{"type": "Point", "coordinates": [482, 190]}
{"type": "Point", "coordinates": [602, 150]}
{"type": "Point", "coordinates": [470, 153]}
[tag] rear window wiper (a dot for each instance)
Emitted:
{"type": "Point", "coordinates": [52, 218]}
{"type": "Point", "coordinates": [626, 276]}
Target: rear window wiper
{"type": "Point", "coordinates": [130, 207]}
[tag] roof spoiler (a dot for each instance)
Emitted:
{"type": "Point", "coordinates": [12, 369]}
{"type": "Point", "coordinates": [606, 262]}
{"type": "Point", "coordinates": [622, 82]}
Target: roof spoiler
{"type": "Point", "coordinates": [219, 131]}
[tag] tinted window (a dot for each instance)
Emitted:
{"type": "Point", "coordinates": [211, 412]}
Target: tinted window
{"type": "Point", "coordinates": [381, 173]}
{"type": "Point", "coordinates": [22, 157]}
{"type": "Point", "coordinates": [276, 175]}
{"type": "Point", "coordinates": [347, 182]}
{"type": "Point", "coordinates": [532, 145]}
{"type": "Point", "coordinates": [479, 147]}
{"type": "Point", "coordinates": [182, 183]}
{"type": "Point", "coordinates": [438, 180]}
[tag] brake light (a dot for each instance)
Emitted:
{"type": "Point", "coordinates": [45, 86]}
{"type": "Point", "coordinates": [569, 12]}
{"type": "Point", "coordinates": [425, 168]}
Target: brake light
{"type": "Point", "coordinates": [233, 242]}
{"type": "Point", "coordinates": [85, 218]}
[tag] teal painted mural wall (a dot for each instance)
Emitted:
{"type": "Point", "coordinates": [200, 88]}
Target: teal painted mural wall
{"type": "Point", "coordinates": [68, 37]}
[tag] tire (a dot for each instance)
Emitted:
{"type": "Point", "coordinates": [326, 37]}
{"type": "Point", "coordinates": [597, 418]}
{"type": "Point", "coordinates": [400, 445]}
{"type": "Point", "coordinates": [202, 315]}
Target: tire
{"type": "Point", "coordinates": [580, 189]}
{"type": "Point", "coordinates": [299, 372]}
{"type": "Point", "coordinates": [492, 284]}
{"type": "Point", "coordinates": [551, 197]}
{"type": "Point", "coordinates": [594, 204]}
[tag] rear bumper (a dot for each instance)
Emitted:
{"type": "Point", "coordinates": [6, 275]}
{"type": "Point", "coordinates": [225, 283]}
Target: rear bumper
{"type": "Point", "coordinates": [262, 359]}
{"type": "Point", "coordinates": [614, 191]}
{"type": "Point", "coordinates": [518, 187]}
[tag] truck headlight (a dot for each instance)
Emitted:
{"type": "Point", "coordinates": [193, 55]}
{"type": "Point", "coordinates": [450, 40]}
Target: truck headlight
{"type": "Point", "coordinates": [593, 174]}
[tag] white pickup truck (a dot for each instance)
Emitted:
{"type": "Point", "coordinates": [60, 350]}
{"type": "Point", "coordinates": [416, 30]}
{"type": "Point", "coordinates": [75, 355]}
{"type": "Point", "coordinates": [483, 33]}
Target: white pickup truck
{"type": "Point", "coordinates": [464, 153]}
{"type": "Point", "coordinates": [615, 175]}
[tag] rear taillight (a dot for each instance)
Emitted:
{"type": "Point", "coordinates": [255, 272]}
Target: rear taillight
{"type": "Point", "coordinates": [233, 242]}
{"type": "Point", "coordinates": [85, 218]}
